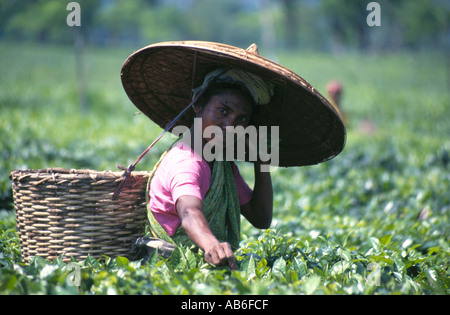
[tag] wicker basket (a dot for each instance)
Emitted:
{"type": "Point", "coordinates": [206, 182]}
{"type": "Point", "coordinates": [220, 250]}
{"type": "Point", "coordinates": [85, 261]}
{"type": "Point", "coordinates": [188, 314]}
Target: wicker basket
{"type": "Point", "coordinates": [70, 213]}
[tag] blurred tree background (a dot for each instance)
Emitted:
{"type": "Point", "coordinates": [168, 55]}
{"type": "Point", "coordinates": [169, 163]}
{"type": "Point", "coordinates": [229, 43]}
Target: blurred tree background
{"type": "Point", "coordinates": [323, 25]}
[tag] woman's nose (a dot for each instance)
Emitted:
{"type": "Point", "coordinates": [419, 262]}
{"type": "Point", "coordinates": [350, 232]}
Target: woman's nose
{"type": "Point", "coordinates": [229, 122]}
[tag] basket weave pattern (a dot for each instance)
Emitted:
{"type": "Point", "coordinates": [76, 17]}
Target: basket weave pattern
{"type": "Point", "coordinates": [70, 213]}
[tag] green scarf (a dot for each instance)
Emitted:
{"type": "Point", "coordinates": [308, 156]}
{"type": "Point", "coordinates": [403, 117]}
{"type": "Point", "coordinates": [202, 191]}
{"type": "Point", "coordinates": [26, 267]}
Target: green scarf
{"type": "Point", "coordinates": [220, 207]}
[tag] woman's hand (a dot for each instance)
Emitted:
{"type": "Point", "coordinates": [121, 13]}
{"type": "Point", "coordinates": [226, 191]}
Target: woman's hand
{"type": "Point", "coordinates": [221, 254]}
{"type": "Point", "coordinates": [189, 209]}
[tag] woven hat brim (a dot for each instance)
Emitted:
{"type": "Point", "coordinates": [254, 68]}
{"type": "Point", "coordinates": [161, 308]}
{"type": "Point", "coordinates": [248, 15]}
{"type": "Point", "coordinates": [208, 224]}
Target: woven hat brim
{"type": "Point", "coordinates": [159, 80]}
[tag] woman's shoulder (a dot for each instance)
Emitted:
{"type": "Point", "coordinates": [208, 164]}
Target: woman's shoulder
{"type": "Point", "coordinates": [183, 152]}
{"type": "Point", "coordinates": [182, 168]}
{"type": "Point", "coordinates": [181, 157]}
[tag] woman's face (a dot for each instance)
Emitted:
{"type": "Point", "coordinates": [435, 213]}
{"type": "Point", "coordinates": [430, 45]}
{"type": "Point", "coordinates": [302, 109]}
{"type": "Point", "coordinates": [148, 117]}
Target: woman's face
{"type": "Point", "coordinates": [229, 108]}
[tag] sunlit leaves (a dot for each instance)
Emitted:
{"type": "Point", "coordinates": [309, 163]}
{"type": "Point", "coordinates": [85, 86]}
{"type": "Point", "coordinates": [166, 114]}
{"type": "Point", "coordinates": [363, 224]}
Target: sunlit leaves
{"type": "Point", "coordinates": [273, 263]}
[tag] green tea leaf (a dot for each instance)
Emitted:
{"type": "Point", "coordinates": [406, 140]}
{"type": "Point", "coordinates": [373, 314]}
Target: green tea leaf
{"type": "Point", "coordinates": [384, 240]}
{"type": "Point", "coordinates": [375, 244]}
{"type": "Point", "coordinates": [311, 285]}
{"type": "Point", "coordinates": [279, 268]}
{"type": "Point", "coordinates": [345, 254]}
{"type": "Point", "coordinates": [250, 271]}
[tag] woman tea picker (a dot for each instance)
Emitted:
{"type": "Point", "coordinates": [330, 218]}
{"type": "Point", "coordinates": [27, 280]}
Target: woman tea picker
{"type": "Point", "coordinates": [197, 199]}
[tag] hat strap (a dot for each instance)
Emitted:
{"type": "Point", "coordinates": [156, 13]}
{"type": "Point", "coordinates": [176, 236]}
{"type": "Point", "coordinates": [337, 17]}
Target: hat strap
{"type": "Point", "coordinates": [197, 94]}
{"type": "Point", "coordinates": [132, 166]}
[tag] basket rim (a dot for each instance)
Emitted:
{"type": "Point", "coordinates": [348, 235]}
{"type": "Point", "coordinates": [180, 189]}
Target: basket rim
{"type": "Point", "coordinates": [57, 172]}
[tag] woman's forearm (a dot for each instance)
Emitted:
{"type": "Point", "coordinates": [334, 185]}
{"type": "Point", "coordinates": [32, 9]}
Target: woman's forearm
{"type": "Point", "coordinates": [259, 210]}
{"type": "Point", "coordinates": [194, 222]}
{"type": "Point", "coordinates": [197, 229]}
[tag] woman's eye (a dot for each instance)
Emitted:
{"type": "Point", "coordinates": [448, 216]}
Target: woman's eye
{"type": "Point", "coordinates": [223, 111]}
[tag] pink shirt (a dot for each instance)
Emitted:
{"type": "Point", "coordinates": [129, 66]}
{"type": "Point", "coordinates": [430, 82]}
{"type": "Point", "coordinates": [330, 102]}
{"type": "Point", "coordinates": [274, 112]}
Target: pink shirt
{"type": "Point", "coordinates": [182, 173]}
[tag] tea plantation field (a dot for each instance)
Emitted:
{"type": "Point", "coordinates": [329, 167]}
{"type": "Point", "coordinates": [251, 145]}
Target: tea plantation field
{"type": "Point", "coordinates": [374, 220]}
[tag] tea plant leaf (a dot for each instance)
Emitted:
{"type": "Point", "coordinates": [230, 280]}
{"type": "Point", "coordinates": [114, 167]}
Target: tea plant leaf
{"type": "Point", "coordinates": [311, 284]}
{"type": "Point", "coordinates": [345, 254]}
{"type": "Point", "coordinates": [47, 271]}
{"type": "Point", "coordinates": [435, 281]}
{"type": "Point", "coordinates": [299, 266]}
{"type": "Point", "coordinates": [385, 240]}
{"type": "Point", "coordinates": [375, 244]}
{"type": "Point", "coordinates": [262, 268]}
{"type": "Point", "coordinates": [279, 268]}
{"type": "Point", "coordinates": [250, 271]}
{"type": "Point", "coordinates": [191, 260]}
{"type": "Point", "coordinates": [291, 276]}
